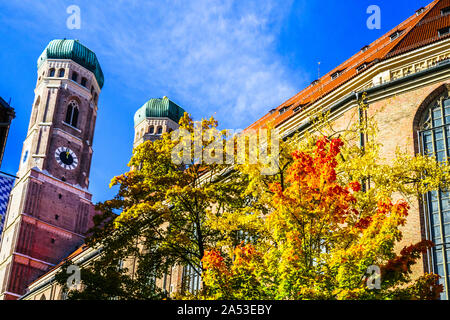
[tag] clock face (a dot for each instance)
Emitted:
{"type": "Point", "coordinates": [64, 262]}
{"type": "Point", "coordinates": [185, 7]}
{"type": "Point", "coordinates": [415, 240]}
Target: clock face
{"type": "Point", "coordinates": [66, 158]}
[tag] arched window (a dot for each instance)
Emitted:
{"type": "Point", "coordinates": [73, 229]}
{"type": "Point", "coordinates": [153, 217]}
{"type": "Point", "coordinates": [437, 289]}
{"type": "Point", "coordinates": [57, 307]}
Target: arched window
{"type": "Point", "coordinates": [72, 113]}
{"type": "Point", "coordinates": [83, 81]}
{"type": "Point", "coordinates": [34, 114]}
{"type": "Point", "coordinates": [51, 72]}
{"type": "Point", "coordinates": [434, 133]}
{"type": "Point", "coordinates": [61, 73]}
{"type": "Point", "coordinates": [159, 130]}
{"type": "Point", "coordinates": [151, 130]}
{"type": "Point", "coordinates": [74, 76]}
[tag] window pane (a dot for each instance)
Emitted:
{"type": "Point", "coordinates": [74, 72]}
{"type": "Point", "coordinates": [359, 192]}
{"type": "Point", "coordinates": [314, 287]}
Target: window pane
{"type": "Point", "coordinates": [440, 269]}
{"type": "Point", "coordinates": [435, 219]}
{"type": "Point", "coordinates": [445, 205]}
{"type": "Point", "coordinates": [447, 229]}
{"type": "Point", "coordinates": [438, 257]}
{"type": "Point", "coordinates": [437, 122]}
{"type": "Point", "coordinates": [434, 206]}
{"type": "Point", "coordinates": [433, 195]}
{"type": "Point", "coordinates": [440, 156]}
{"type": "Point", "coordinates": [437, 112]}
{"type": "Point", "coordinates": [446, 216]}
{"type": "Point", "coordinates": [436, 234]}
{"type": "Point", "coordinates": [440, 145]}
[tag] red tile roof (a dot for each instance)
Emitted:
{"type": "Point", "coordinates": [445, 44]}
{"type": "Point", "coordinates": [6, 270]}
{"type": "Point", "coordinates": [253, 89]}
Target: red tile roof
{"type": "Point", "coordinates": [417, 31]}
{"type": "Point", "coordinates": [68, 258]}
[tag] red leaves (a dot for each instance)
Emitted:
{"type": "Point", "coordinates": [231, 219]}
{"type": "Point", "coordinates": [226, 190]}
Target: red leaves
{"type": "Point", "coordinates": [355, 186]}
{"type": "Point", "coordinates": [363, 223]}
{"type": "Point", "coordinates": [244, 254]}
{"type": "Point", "coordinates": [212, 260]}
{"type": "Point", "coordinates": [408, 256]}
{"type": "Point", "coordinates": [312, 185]}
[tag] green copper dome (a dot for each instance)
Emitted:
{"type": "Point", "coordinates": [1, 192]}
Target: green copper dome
{"type": "Point", "coordinates": [158, 108]}
{"type": "Point", "coordinates": [75, 51]}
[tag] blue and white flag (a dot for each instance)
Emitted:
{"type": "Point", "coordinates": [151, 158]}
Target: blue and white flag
{"type": "Point", "coordinates": [6, 184]}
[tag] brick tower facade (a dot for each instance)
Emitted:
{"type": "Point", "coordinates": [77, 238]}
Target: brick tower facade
{"type": "Point", "coordinates": [50, 208]}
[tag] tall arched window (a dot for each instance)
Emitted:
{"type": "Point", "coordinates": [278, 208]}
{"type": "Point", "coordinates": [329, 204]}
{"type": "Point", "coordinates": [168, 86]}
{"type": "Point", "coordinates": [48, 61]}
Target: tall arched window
{"type": "Point", "coordinates": [74, 76]}
{"type": "Point", "coordinates": [72, 113]}
{"type": "Point", "coordinates": [159, 130]}
{"type": "Point", "coordinates": [34, 114]}
{"type": "Point", "coordinates": [151, 130]}
{"type": "Point", "coordinates": [61, 73]}
{"type": "Point", "coordinates": [83, 81]}
{"type": "Point", "coordinates": [51, 72]}
{"type": "Point", "coordinates": [435, 141]}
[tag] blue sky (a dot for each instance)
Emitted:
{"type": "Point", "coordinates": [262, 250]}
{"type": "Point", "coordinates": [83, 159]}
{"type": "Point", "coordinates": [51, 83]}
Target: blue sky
{"type": "Point", "coordinates": [232, 59]}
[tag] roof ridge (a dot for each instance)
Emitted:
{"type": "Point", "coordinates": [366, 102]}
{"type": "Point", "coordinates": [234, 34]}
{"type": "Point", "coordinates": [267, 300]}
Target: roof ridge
{"type": "Point", "coordinates": [380, 49]}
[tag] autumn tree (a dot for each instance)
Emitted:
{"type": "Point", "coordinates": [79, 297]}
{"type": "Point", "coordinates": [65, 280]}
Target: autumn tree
{"type": "Point", "coordinates": [330, 218]}
{"type": "Point", "coordinates": [163, 207]}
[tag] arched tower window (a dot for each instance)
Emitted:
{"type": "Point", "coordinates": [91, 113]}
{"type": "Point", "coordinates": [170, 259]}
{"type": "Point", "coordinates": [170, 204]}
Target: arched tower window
{"type": "Point", "coordinates": [434, 133]}
{"type": "Point", "coordinates": [151, 130]}
{"type": "Point", "coordinates": [61, 73]}
{"type": "Point", "coordinates": [83, 81]}
{"type": "Point", "coordinates": [74, 76]}
{"type": "Point", "coordinates": [34, 114]}
{"type": "Point", "coordinates": [72, 113]}
{"type": "Point", "coordinates": [159, 130]}
{"type": "Point", "coordinates": [51, 72]}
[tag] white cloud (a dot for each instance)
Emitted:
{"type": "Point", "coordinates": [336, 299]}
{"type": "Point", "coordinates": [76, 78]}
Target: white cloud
{"type": "Point", "coordinates": [210, 56]}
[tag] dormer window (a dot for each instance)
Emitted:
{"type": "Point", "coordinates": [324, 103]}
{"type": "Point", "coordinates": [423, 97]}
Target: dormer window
{"type": "Point", "coordinates": [361, 67]}
{"type": "Point", "coordinates": [420, 11]}
{"type": "Point", "coordinates": [335, 75]}
{"type": "Point", "coordinates": [444, 31]}
{"type": "Point", "coordinates": [395, 35]}
{"type": "Point", "coordinates": [445, 11]}
{"type": "Point", "coordinates": [272, 111]}
{"type": "Point", "coordinates": [283, 110]}
{"type": "Point", "coordinates": [298, 108]}
{"type": "Point", "coordinates": [364, 49]}
{"type": "Point", "coordinates": [314, 82]}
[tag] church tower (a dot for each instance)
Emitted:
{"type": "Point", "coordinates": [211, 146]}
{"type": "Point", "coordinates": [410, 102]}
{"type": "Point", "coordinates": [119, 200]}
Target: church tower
{"type": "Point", "coordinates": [154, 118]}
{"type": "Point", "coordinates": [50, 208]}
